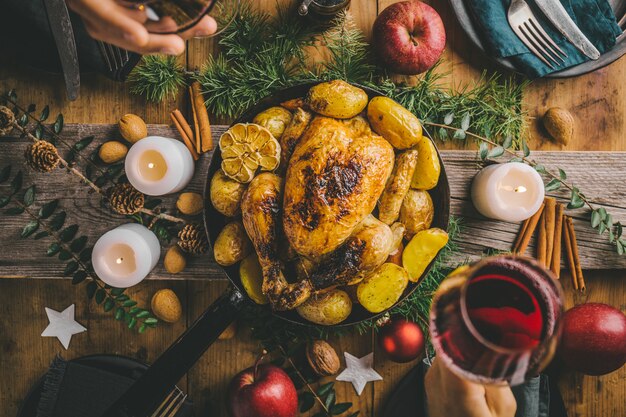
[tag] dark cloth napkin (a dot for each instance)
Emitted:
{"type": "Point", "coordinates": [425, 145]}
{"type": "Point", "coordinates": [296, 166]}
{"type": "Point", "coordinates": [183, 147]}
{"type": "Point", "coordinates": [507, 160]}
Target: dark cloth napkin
{"type": "Point", "coordinates": [595, 19]}
{"type": "Point", "coordinates": [72, 389]}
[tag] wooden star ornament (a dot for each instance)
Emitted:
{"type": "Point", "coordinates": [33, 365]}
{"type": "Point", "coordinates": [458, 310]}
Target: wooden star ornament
{"type": "Point", "coordinates": [359, 371]}
{"type": "Point", "coordinates": [62, 325]}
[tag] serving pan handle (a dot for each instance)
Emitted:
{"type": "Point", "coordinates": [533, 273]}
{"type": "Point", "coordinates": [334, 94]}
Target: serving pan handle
{"type": "Point", "coordinates": [149, 391]}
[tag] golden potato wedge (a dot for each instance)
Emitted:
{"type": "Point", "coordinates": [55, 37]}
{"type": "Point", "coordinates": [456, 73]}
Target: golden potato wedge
{"type": "Point", "coordinates": [252, 278]}
{"type": "Point", "coordinates": [336, 99]}
{"type": "Point", "coordinates": [226, 194]}
{"type": "Point", "coordinates": [382, 288]}
{"type": "Point", "coordinates": [329, 308]}
{"type": "Point", "coordinates": [232, 244]}
{"type": "Point", "coordinates": [427, 171]}
{"type": "Point", "coordinates": [417, 212]}
{"type": "Point", "coordinates": [275, 119]}
{"type": "Point", "coordinates": [393, 122]}
{"type": "Point", "coordinates": [421, 250]}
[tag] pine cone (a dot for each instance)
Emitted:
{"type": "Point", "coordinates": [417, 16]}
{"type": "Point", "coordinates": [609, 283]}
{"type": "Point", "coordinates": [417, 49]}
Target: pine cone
{"type": "Point", "coordinates": [42, 156]}
{"type": "Point", "coordinates": [192, 239]}
{"type": "Point", "coordinates": [125, 199]}
{"type": "Point", "coordinates": [7, 118]}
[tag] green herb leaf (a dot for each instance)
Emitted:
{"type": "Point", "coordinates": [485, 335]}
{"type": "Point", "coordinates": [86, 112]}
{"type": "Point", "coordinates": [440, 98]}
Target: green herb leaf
{"type": "Point", "coordinates": [526, 149]}
{"type": "Point", "coordinates": [29, 196]}
{"type": "Point", "coordinates": [91, 289]}
{"type": "Point", "coordinates": [575, 201]}
{"type": "Point", "coordinates": [70, 268]}
{"type": "Point", "coordinates": [4, 201]}
{"type": "Point", "coordinates": [325, 389]}
{"type": "Point", "coordinates": [595, 219]}
{"type": "Point", "coordinates": [53, 249]}
{"type": "Point", "coordinates": [465, 121]}
{"type": "Point", "coordinates": [47, 209]}
{"type": "Point", "coordinates": [129, 303]}
{"type": "Point", "coordinates": [41, 235]}
{"type": "Point", "coordinates": [603, 213]}
{"type": "Point", "coordinates": [109, 304]}
{"type": "Point", "coordinates": [496, 152]}
{"type": "Point", "coordinates": [540, 169]}
{"type": "Point", "coordinates": [16, 184]}
{"type": "Point", "coordinates": [554, 184]}
{"type": "Point", "coordinates": [5, 173]}
{"type": "Point", "coordinates": [13, 211]}
{"type": "Point", "coordinates": [330, 400]}
{"type": "Point", "coordinates": [340, 408]}
{"type": "Point", "coordinates": [119, 313]}
{"type": "Point", "coordinates": [68, 233]}
{"type": "Point", "coordinates": [44, 114]}
{"type": "Point", "coordinates": [142, 314]}
{"type": "Point", "coordinates": [57, 222]}
{"type": "Point", "coordinates": [122, 297]}
{"type": "Point", "coordinates": [38, 132]}
{"type": "Point", "coordinates": [602, 228]}
{"type": "Point", "coordinates": [132, 323]}
{"type": "Point", "coordinates": [65, 255]}
{"type": "Point", "coordinates": [142, 328]}
{"type": "Point", "coordinates": [307, 401]}
{"type": "Point", "coordinates": [31, 108]}
{"type": "Point", "coordinates": [85, 254]}
{"type": "Point", "coordinates": [443, 133]}
{"type": "Point", "coordinates": [459, 135]}
{"type": "Point", "coordinates": [30, 228]}
{"type": "Point", "coordinates": [58, 124]}
{"type": "Point", "coordinates": [562, 174]}
{"type": "Point", "coordinates": [83, 143]}
{"type": "Point", "coordinates": [78, 244]}
{"type": "Point", "coordinates": [620, 248]}
{"type": "Point", "coordinates": [100, 295]}
{"type": "Point", "coordinates": [448, 119]}
{"type": "Point", "coordinates": [483, 151]}
{"type": "Point", "coordinates": [79, 276]}
{"type": "Point", "coordinates": [117, 291]}
{"type": "Point", "coordinates": [507, 142]}
{"type": "Point", "coordinates": [151, 321]}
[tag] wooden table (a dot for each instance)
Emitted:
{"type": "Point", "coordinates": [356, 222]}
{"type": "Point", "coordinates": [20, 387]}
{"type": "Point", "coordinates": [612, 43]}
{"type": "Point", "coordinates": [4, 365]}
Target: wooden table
{"type": "Point", "coordinates": [596, 100]}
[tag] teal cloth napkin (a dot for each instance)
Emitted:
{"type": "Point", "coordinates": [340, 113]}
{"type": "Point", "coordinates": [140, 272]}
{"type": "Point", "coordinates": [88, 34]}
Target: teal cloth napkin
{"type": "Point", "coordinates": [595, 19]}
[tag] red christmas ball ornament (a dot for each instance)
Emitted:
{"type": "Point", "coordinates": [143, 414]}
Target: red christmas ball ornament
{"type": "Point", "coordinates": [402, 340]}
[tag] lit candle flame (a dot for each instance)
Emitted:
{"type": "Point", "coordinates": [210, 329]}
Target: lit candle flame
{"type": "Point", "coordinates": [119, 260]}
{"type": "Point", "coordinates": [151, 165]}
{"type": "Point", "coordinates": [520, 189]}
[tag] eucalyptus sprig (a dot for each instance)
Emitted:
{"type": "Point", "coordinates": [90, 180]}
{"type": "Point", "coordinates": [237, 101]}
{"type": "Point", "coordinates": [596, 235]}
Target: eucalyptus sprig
{"type": "Point", "coordinates": [600, 219]}
{"type": "Point", "coordinates": [69, 247]}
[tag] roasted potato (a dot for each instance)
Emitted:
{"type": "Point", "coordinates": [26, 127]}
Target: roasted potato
{"type": "Point", "coordinates": [393, 122]}
{"type": "Point", "coordinates": [252, 278]}
{"type": "Point", "coordinates": [421, 250]}
{"type": "Point", "coordinates": [382, 288]}
{"type": "Point", "coordinates": [226, 194]}
{"type": "Point", "coordinates": [336, 99]}
{"type": "Point", "coordinates": [427, 171]}
{"type": "Point", "coordinates": [275, 119]}
{"type": "Point", "coordinates": [397, 186]}
{"type": "Point", "coordinates": [329, 308]}
{"type": "Point", "coordinates": [417, 212]}
{"type": "Point", "coordinates": [232, 244]}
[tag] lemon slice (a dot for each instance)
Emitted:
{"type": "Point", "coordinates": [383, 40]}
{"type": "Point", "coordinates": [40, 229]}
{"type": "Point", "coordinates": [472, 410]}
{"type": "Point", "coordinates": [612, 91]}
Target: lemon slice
{"type": "Point", "coordinates": [246, 148]}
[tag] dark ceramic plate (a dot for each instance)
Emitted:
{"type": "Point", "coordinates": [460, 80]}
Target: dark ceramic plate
{"type": "Point", "coordinates": [215, 221]}
{"type": "Point", "coordinates": [473, 32]}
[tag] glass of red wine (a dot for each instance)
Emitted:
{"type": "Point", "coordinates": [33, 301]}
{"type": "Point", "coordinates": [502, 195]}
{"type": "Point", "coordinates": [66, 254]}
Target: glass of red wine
{"type": "Point", "coordinates": [497, 321]}
{"type": "Point", "coordinates": [175, 16]}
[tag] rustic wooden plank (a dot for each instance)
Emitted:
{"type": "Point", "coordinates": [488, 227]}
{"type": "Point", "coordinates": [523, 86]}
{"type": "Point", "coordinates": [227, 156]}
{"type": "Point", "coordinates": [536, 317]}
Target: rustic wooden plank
{"type": "Point", "coordinates": [598, 173]}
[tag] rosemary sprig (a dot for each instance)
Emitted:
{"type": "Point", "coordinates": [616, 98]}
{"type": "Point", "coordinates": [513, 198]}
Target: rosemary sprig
{"type": "Point", "coordinates": [600, 219]}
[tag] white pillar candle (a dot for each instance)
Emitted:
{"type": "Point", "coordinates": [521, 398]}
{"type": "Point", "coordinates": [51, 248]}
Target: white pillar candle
{"type": "Point", "coordinates": [124, 256]}
{"type": "Point", "coordinates": [158, 166]}
{"type": "Point", "coordinates": [511, 192]}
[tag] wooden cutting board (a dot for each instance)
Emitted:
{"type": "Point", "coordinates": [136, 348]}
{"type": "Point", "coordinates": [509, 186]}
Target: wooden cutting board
{"type": "Point", "coordinates": [599, 174]}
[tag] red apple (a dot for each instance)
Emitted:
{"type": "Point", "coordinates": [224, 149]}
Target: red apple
{"type": "Point", "coordinates": [409, 37]}
{"type": "Point", "coordinates": [594, 339]}
{"type": "Point", "coordinates": [262, 391]}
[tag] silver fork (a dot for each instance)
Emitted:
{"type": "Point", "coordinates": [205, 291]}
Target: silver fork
{"type": "Point", "coordinates": [527, 28]}
{"type": "Point", "coordinates": [114, 57]}
{"type": "Point", "coordinates": [171, 404]}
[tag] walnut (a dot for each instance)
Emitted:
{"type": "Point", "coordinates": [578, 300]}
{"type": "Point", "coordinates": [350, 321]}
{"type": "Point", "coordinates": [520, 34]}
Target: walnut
{"type": "Point", "coordinates": [560, 125]}
{"type": "Point", "coordinates": [323, 358]}
{"type": "Point", "coordinates": [132, 128]}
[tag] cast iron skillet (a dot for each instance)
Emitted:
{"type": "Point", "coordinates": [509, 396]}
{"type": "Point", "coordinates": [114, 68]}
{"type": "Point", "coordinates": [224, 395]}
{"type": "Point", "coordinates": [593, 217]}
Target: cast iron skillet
{"type": "Point", "coordinates": [159, 379]}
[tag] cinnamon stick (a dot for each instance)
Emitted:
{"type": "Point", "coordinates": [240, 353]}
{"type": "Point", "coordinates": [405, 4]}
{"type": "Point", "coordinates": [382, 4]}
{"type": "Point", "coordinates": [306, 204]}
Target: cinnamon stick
{"type": "Point", "coordinates": [185, 131]}
{"type": "Point", "coordinates": [550, 213]}
{"type": "Point", "coordinates": [569, 252]}
{"type": "Point", "coordinates": [555, 262]}
{"type": "Point", "coordinates": [541, 240]}
{"type": "Point", "coordinates": [197, 102]}
{"type": "Point", "coordinates": [527, 231]}
{"type": "Point", "coordinates": [580, 279]}
{"type": "Point", "coordinates": [196, 127]}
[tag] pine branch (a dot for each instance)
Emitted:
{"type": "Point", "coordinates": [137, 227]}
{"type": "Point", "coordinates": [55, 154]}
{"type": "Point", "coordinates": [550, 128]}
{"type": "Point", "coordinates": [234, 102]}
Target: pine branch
{"type": "Point", "coordinates": [157, 77]}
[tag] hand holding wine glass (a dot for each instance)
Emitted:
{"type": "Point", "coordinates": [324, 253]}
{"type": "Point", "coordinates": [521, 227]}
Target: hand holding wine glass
{"type": "Point", "coordinates": [448, 395]}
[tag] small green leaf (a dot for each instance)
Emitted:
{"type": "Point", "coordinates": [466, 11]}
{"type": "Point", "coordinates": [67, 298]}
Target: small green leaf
{"type": "Point", "coordinates": [575, 200]}
{"type": "Point", "coordinates": [516, 159]}
{"type": "Point", "coordinates": [448, 119]}
{"type": "Point", "coordinates": [132, 323]}
{"type": "Point", "coordinates": [41, 235]}
{"type": "Point", "coordinates": [496, 152]}
{"type": "Point", "coordinates": [554, 184]}
{"type": "Point", "coordinates": [13, 211]}
{"type": "Point", "coordinates": [91, 289]}
{"type": "Point", "coordinates": [465, 121]}
{"type": "Point", "coordinates": [122, 297]}
{"type": "Point", "coordinates": [119, 313]}
{"type": "Point", "coordinates": [58, 124]}
{"type": "Point", "coordinates": [83, 143]}
{"type": "Point", "coordinates": [70, 268]}
{"type": "Point", "coordinates": [44, 114]}
{"type": "Point", "coordinates": [57, 222]}
{"type": "Point", "coordinates": [4, 201]}
{"type": "Point", "coordinates": [78, 244]}
{"type": "Point", "coordinates": [16, 184]}
{"type": "Point", "coordinates": [507, 142]}
{"type": "Point", "coordinates": [29, 196]}
{"type": "Point", "coordinates": [459, 135]}
{"type": "Point", "coordinates": [307, 401]}
{"type": "Point", "coordinates": [562, 174]}
{"type": "Point", "coordinates": [47, 209]}
{"type": "Point", "coordinates": [620, 248]}
{"type": "Point", "coordinates": [53, 249]}
{"type": "Point", "coordinates": [602, 228]}
{"type": "Point", "coordinates": [79, 276]}
{"type": "Point", "coordinates": [38, 132]}
{"type": "Point", "coordinates": [85, 254]}
{"type": "Point", "coordinates": [603, 213]}
{"type": "Point", "coordinates": [619, 229]}
{"type": "Point", "coordinates": [117, 291]}
{"type": "Point", "coordinates": [324, 389]}
{"type": "Point", "coordinates": [526, 149]}
{"type": "Point", "coordinates": [68, 233]}
{"type": "Point", "coordinates": [31, 108]}
{"type": "Point", "coordinates": [65, 255]}
{"type": "Point", "coordinates": [143, 314]}
{"type": "Point", "coordinates": [443, 133]}
{"type": "Point", "coordinates": [340, 408]}
{"type": "Point", "coordinates": [129, 303]}
{"type": "Point", "coordinates": [109, 304]}
{"type": "Point", "coordinates": [330, 400]}
{"type": "Point", "coordinates": [134, 310]}
{"type": "Point", "coordinates": [595, 219]}
{"type": "Point", "coordinates": [483, 151]}
{"type": "Point", "coordinates": [5, 173]}
{"type": "Point", "coordinates": [540, 169]}
{"type": "Point", "coordinates": [611, 236]}
{"type": "Point", "coordinates": [100, 295]}
{"type": "Point", "coordinates": [142, 328]}
{"type": "Point", "coordinates": [609, 220]}
{"type": "Point", "coordinates": [30, 228]}
{"type": "Point", "coordinates": [151, 321]}
{"type": "Point", "coordinates": [23, 121]}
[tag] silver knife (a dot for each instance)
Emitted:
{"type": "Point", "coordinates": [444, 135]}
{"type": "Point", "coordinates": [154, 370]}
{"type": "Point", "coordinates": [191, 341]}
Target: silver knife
{"type": "Point", "coordinates": [556, 13]}
{"type": "Point", "coordinates": [61, 27]}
